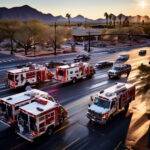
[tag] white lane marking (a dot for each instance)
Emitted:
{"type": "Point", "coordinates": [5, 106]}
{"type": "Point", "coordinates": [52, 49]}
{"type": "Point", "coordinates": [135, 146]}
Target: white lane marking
{"type": "Point", "coordinates": [101, 76]}
{"type": "Point", "coordinates": [98, 84]}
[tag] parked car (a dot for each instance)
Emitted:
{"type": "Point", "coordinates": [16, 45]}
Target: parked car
{"type": "Point", "coordinates": [82, 58]}
{"type": "Point", "coordinates": [103, 64]}
{"type": "Point", "coordinates": [142, 52]}
{"type": "Point", "coordinates": [122, 58]}
{"type": "Point", "coordinates": [117, 70]}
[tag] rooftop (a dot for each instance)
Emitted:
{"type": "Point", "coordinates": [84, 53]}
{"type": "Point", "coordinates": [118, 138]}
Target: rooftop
{"type": "Point", "coordinates": [37, 108]}
{"type": "Point", "coordinates": [18, 98]}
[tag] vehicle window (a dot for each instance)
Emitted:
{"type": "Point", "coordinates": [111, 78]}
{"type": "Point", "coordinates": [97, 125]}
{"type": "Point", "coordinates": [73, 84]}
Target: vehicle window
{"type": "Point", "coordinates": [2, 107]}
{"type": "Point", "coordinates": [61, 72]}
{"type": "Point", "coordinates": [11, 77]}
{"type": "Point", "coordinates": [102, 103]}
{"type": "Point", "coordinates": [41, 118]}
{"type": "Point", "coordinates": [71, 72]}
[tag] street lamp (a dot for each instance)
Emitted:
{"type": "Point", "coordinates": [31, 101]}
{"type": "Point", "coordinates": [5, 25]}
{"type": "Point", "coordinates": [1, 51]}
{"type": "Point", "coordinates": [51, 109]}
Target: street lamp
{"type": "Point", "coordinates": [55, 39]}
{"type": "Point", "coordinates": [89, 41]}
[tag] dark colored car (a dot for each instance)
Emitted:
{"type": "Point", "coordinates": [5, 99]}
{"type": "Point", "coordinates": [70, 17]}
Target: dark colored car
{"type": "Point", "coordinates": [142, 52]}
{"type": "Point", "coordinates": [82, 58]}
{"type": "Point", "coordinates": [103, 64]}
{"type": "Point", "coordinates": [117, 70]}
{"type": "Point", "coordinates": [122, 58]}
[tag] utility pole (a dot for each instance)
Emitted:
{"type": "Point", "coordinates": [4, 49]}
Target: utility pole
{"type": "Point", "coordinates": [89, 41]}
{"type": "Point", "coordinates": [55, 40]}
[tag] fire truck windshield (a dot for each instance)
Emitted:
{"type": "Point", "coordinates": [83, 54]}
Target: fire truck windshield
{"type": "Point", "coordinates": [102, 103]}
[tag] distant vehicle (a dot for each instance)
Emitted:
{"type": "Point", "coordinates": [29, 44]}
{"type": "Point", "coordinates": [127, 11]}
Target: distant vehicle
{"type": "Point", "coordinates": [26, 76]}
{"type": "Point", "coordinates": [111, 101]}
{"type": "Point", "coordinates": [24, 65]}
{"type": "Point", "coordinates": [142, 52]}
{"type": "Point", "coordinates": [119, 69]}
{"type": "Point", "coordinates": [40, 117]}
{"type": "Point", "coordinates": [83, 58]}
{"type": "Point", "coordinates": [103, 64]}
{"type": "Point", "coordinates": [122, 58]}
{"type": "Point", "coordinates": [74, 72]}
{"type": "Point", "coordinates": [9, 105]}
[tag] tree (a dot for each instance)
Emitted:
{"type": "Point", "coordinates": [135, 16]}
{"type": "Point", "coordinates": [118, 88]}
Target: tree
{"type": "Point", "coordinates": [114, 19]}
{"type": "Point", "coordinates": [144, 75]}
{"type": "Point", "coordinates": [110, 16]}
{"type": "Point", "coordinates": [9, 28]}
{"type": "Point", "coordinates": [31, 33]}
{"type": "Point", "coordinates": [120, 16]}
{"type": "Point", "coordinates": [68, 16]}
{"type": "Point", "coordinates": [107, 17]}
{"type": "Point", "coordinates": [126, 22]}
{"type": "Point", "coordinates": [138, 18]}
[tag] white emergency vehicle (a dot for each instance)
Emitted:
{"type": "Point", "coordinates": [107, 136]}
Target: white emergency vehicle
{"type": "Point", "coordinates": [28, 75]}
{"type": "Point", "coordinates": [39, 117]}
{"type": "Point", "coordinates": [9, 105]}
{"type": "Point", "coordinates": [74, 72]}
{"type": "Point", "coordinates": [110, 101]}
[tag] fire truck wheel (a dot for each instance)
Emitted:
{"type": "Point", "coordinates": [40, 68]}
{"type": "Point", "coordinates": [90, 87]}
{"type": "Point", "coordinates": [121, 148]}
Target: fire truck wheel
{"type": "Point", "coordinates": [74, 80]}
{"type": "Point", "coordinates": [126, 108]}
{"type": "Point", "coordinates": [50, 131]}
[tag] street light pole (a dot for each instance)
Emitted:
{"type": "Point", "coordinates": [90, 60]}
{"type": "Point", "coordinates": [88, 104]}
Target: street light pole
{"type": "Point", "coordinates": [55, 40]}
{"type": "Point", "coordinates": [89, 48]}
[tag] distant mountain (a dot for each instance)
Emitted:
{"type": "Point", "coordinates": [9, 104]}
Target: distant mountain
{"type": "Point", "coordinates": [28, 13]}
{"type": "Point", "coordinates": [24, 13]}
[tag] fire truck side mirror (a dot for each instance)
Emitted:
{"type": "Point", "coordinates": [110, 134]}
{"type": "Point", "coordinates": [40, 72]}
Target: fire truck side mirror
{"type": "Point", "coordinates": [89, 105]}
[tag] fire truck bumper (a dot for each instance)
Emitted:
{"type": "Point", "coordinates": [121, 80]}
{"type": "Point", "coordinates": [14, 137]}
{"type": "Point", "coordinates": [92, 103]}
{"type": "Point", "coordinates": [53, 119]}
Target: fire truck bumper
{"type": "Point", "coordinates": [27, 137]}
{"type": "Point", "coordinates": [5, 123]}
{"type": "Point", "coordinates": [95, 119]}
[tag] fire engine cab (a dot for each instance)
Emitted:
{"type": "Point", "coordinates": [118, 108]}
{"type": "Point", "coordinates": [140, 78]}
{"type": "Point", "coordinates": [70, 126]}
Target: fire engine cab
{"type": "Point", "coordinates": [74, 72]}
{"type": "Point", "coordinates": [110, 102]}
{"type": "Point", "coordinates": [9, 106]}
{"type": "Point", "coordinates": [28, 75]}
{"type": "Point", "coordinates": [39, 117]}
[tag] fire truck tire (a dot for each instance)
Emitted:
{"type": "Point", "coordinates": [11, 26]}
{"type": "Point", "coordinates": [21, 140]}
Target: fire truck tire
{"type": "Point", "coordinates": [50, 130]}
{"type": "Point", "coordinates": [74, 80]}
{"type": "Point", "coordinates": [126, 108]}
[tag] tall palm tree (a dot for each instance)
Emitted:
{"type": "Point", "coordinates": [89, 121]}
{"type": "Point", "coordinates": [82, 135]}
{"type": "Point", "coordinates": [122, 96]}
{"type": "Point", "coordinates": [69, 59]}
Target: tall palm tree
{"type": "Point", "coordinates": [106, 16]}
{"type": "Point", "coordinates": [68, 16]}
{"type": "Point", "coordinates": [120, 18]}
{"type": "Point", "coordinates": [110, 16]}
{"type": "Point", "coordinates": [114, 19]}
{"type": "Point", "coordinates": [138, 18]}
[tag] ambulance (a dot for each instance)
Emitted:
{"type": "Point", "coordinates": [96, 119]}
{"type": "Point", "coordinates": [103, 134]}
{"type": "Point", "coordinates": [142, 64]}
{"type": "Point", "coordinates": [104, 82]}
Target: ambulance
{"type": "Point", "coordinates": [40, 117]}
{"type": "Point", "coordinates": [111, 101]}
{"type": "Point", "coordinates": [74, 72]}
{"type": "Point", "coordinates": [9, 105]}
{"type": "Point", "coordinates": [28, 75]}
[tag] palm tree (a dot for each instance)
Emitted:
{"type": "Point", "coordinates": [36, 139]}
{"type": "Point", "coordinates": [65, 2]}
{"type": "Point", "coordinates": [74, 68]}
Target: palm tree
{"type": "Point", "coordinates": [68, 16]}
{"type": "Point", "coordinates": [120, 18]}
{"type": "Point", "coordinates": [114, 20]}
{"type": "Point", "coordinates": [110, 16]}
{"type": "Point", "coordinates": [138, 18]}
{"type": "Point", "coordinates": [106, 16]}
{"type": "Point", "coordinates": [146, 18]}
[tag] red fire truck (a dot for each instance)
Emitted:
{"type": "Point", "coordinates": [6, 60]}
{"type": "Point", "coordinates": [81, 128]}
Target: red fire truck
{"type": "Point", "coordinates": [28, 75]}
{"type": "Point", "coordinates": [74, 72]}
{"type": "Point", "coordinates": [39, 117]}
{"type": "Point", "coordinates": [9, 105]}
{"type": "Point", "coordinates": [111, 101]}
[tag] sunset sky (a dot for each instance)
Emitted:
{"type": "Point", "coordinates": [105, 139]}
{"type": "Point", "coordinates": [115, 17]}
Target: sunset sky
{"type": "Point", "coordinates": [89, 8]}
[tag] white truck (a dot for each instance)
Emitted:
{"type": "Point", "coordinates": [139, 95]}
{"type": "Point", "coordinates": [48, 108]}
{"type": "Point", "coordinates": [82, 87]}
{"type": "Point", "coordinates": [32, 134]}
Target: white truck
{"type": "Point", "coordinates": [74, 72]}
{"type": "Point", "coordinates": [9, 106]}
{"type": "Point", "coordinates": [40, 117]}
{"type": "Point", "coordinates": [111, 101]}
{"type": "Point", "coordinates": [28, 75]}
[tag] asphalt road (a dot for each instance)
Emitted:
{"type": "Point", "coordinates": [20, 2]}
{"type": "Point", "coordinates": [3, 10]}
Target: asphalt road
{"type": "Point", "coordinates": [77, 132]}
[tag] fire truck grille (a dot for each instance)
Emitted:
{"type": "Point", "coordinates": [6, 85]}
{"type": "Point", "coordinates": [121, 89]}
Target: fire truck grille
{"type": "Point", "coordinates": [94, 114]}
